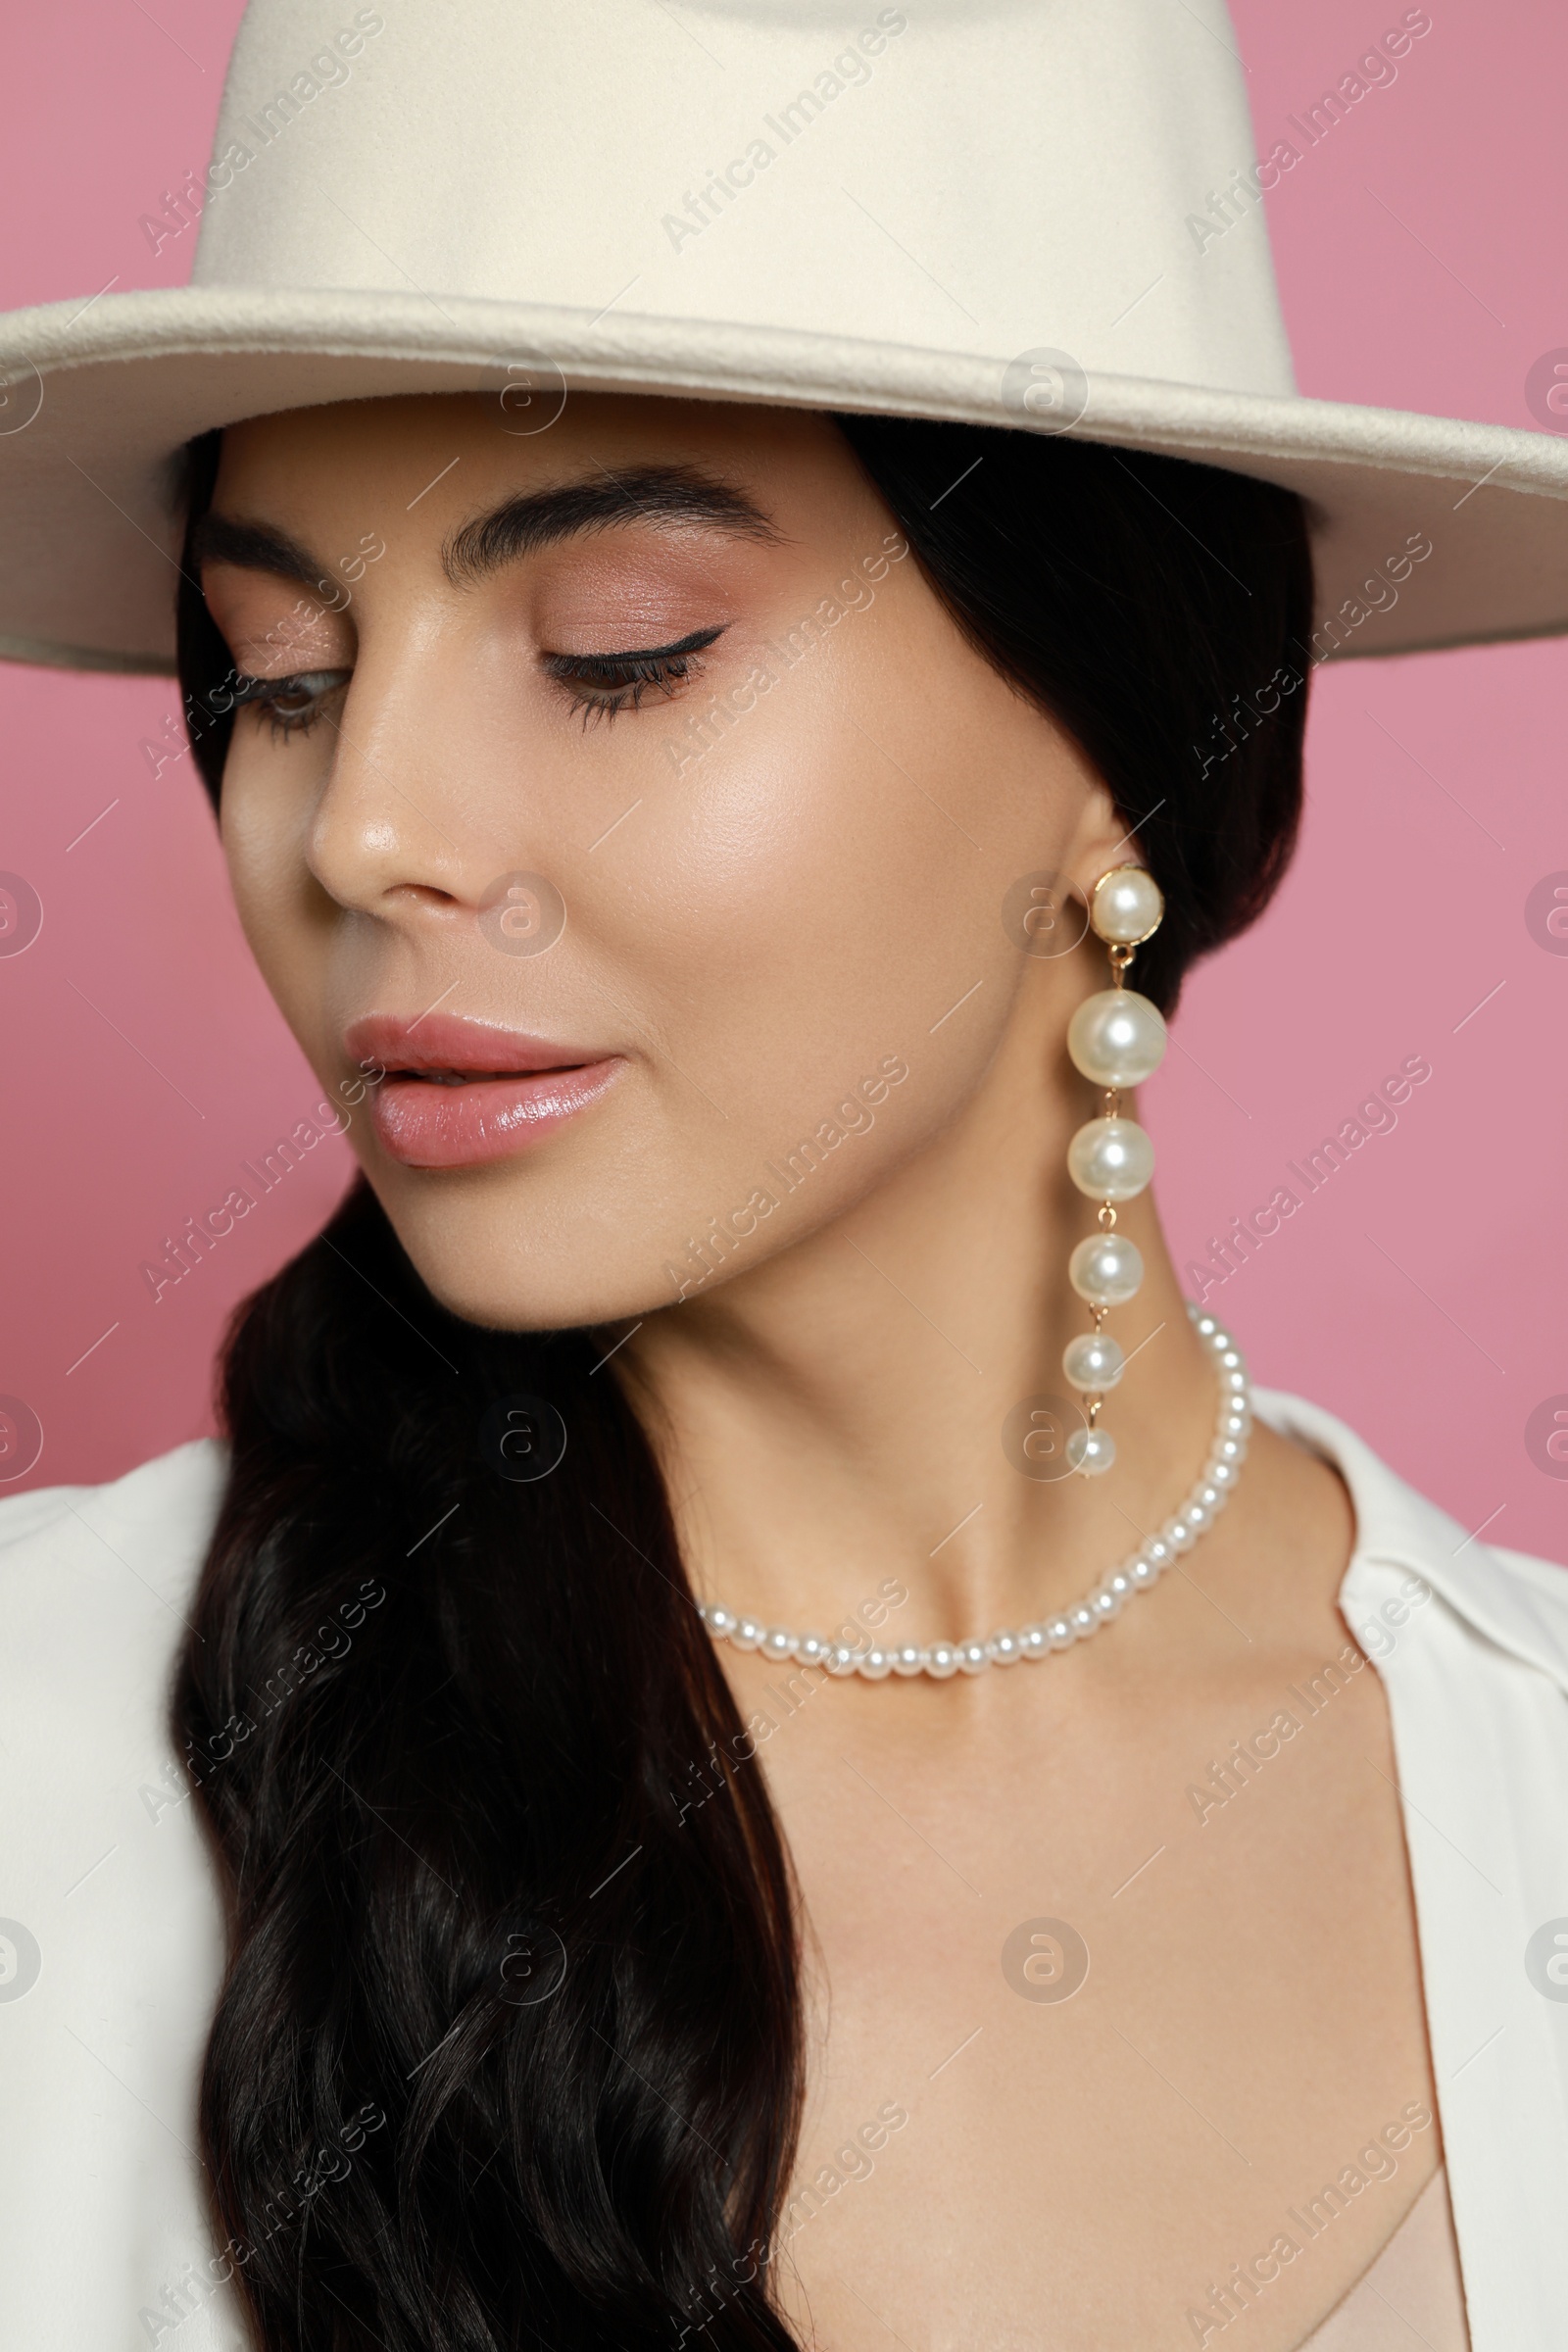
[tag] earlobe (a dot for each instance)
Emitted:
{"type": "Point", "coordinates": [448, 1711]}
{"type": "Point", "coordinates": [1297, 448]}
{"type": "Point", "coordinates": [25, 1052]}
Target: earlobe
{"type": "Point", "coordinates": [1101, 839]}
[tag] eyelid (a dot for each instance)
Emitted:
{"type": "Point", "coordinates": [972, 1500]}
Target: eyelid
{"type": "Point", "coordinates": [697, 643]}
{"type": "Point", "coordinates": [602, 685]}
{"type": "Point", "coordinates": [249, 689]}
{"type": "Point", "coordinates": [313, 687]}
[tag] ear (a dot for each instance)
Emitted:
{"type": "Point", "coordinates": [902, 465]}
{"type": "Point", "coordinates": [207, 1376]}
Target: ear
{"type": "Point", "coordinates": [1101, 839]}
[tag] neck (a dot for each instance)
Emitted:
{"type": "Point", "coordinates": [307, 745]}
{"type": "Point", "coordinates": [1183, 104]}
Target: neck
{"type": "Point", "coordinates": [848, 1415]}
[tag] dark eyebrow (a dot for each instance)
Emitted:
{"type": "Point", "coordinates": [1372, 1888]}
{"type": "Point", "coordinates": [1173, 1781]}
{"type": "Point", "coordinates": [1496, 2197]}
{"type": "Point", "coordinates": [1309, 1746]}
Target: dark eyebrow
{"type": "Point", "coordinates": [657, 494]}
{"type": "Point", "coordinates": [517, 527]}
{"type": "Point", "coordinates": [253, 547]}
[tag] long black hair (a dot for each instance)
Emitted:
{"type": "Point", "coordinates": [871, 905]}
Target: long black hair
{"type": "Point", "coordinates": [509, 2051]}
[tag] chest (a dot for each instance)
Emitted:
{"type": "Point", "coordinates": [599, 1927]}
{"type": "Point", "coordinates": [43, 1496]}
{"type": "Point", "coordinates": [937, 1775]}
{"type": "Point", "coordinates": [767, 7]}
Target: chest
{"type": "Point", "coordinates": [1110, 2015]}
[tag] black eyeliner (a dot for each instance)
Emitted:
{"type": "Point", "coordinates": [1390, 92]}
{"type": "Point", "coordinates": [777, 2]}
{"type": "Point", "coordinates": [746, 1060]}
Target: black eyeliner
{"type": "Point", "coordinates": [568, 666]}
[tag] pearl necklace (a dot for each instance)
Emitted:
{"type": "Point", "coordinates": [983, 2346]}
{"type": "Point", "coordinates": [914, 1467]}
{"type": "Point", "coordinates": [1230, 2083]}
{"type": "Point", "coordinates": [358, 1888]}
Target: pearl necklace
{"type": "Point", "coordinates": [1135, 1574]}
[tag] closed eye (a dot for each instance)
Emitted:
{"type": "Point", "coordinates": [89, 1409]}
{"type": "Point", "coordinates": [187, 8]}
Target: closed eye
{"type": "Point", "coordinates": [293, 703]}
{"type": "Point", "coordinates": [600, 685]}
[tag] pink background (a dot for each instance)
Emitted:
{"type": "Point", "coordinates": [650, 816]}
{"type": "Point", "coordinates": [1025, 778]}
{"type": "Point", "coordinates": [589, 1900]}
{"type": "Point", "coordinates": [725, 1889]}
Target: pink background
{"type": "Point", "coordinates": [1421, 1293]}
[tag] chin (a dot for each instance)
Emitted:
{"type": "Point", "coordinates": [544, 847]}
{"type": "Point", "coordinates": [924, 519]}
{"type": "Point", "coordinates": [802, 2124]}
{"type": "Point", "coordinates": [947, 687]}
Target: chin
{"type": "Point", "coordinates": [513, 1264]}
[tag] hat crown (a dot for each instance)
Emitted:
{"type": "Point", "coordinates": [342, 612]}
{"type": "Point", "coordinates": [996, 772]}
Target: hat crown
{"type": "Point", "coordinates": [994, 177]}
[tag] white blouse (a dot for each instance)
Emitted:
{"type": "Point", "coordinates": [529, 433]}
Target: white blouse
{"type": "Point", "coordinates": [111, 1929]}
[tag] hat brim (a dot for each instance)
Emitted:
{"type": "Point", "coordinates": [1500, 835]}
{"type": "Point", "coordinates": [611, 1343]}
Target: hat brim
{"type": "Point", "coordinates": [99, 399]}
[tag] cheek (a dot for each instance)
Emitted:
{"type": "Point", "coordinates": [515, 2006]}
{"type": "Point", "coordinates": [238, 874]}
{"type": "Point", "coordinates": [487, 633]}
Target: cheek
{"type": "Point", "coordinates": [830, 873]}
{"type": "Point", "coordinates": [811, 895]}
{"type": "Point", "coordinates": [803, 897]}
{"type": "Point", "coordinates": [262, 819]}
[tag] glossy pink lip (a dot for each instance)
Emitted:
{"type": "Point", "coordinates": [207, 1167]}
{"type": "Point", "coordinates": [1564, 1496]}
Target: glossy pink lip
{"type": "Point", "coordinates": [514, 1091]}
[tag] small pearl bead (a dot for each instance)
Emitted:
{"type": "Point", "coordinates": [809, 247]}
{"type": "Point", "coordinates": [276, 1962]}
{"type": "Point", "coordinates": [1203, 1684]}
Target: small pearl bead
{"type": "Point", "coordinates": [1197, 1516]}
{"type": "Point", "coordinates": [941, 1660]}
{"type": "Point", "coordinates": [1060, 1634]}
{"type": "Point", "coordinates": [1003, 1650]}
{"type": "Point", "coordinates": [1230, 1360]}
{"type": "Point", "coordinates": [1091, 1452]}
{"type": "Point", "coordinates": [720, 1621]}
{"type": "Point", "coordinates": [911, 1659]}
{"type": "Point", "coordinates": [1209, 1495]}
{"type": "Point", "coordinates": [1205, 1325]}
{"type": "Point", "coordinates": [1093, 1361]}
{"type": "Point", "coordinates": [1117, 1037]}
{"type": "Point", "coordinates": [972, 1657]}
{"type": "Point", "coordinates": [1033, 1641]}
{"type": "Point", "coordinates": [1083, 1621]}
{"type": "Point", "coordinates": [1107, 1269]}
{"type": "Point", "coordinates": [777, 1644]}
{"type": "Point", "coordinates": [1121, 1584]}
{"type": "Point", "coordinates": [748, 1633]}
{"type": "Point", "coordinates": [1106, 1606]}
{"type": "Point", "coordinates": [1222, 1473]}
{"type": "Point", "coordinates": [812, 1650]}
{"type": "Point", "coordinates": [1237, 1381]}
{"type": "Point", "coordinates": [840, 1658]}
{"type": "Point", "coordinates": [1156, 1551]}
{"type": "Point", "coordinates": [1177, 1534]}
{"type": "Point", "coordinates": [1110, 1159]}
{"type": "Point", "coordinates": [1144, 1573]}
{"type": "Point", "coordinates": [875, 1664]}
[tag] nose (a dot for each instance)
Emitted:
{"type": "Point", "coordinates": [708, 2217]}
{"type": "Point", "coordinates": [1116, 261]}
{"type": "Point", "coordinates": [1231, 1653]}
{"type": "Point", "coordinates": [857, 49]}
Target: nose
{"type": "Point", "coordinates": [389, 836]}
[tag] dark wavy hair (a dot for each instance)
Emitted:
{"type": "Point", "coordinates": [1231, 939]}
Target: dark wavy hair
{"type": "Point", "coordinates": [509, 2048]}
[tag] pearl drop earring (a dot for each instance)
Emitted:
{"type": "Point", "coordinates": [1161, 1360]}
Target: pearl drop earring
{"type": "Point", "coordinates": [1116, 1038]}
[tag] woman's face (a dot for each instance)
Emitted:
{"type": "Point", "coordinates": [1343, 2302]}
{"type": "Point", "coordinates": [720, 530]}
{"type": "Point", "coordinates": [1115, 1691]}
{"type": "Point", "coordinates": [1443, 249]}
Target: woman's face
{"type": "Point", "coordinates": [628, 799]}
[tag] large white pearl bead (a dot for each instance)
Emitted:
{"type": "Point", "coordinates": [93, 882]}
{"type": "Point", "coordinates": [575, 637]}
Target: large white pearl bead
{"type": "Point", "coordinates": [1091, 1450]}
{"type": "Point", "coordinates": [1118, 1038]}
{"type": "Point", "coordinates": [1125, 907]}
{"type": "Point", "coordinates": [1093, 1361]}
{"type": "Point", "coordinates": [1107, 1269]}
{"type": "Point", "coordinates": [1110, 1159]}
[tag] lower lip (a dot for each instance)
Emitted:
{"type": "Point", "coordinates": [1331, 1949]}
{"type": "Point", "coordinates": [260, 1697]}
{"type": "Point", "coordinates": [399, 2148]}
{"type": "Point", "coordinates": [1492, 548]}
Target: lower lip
{"type": "Point", "coordinates": [429, 1126]}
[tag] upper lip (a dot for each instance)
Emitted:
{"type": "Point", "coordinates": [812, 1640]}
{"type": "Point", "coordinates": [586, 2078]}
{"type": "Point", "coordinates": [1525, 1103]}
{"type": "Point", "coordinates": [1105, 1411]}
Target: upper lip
{"type": "Point", "coordinates": [445, 1041]}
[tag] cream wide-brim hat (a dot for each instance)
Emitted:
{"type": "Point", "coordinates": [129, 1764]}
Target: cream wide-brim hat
{"type": "Point", "coordinates": [1036, 214]}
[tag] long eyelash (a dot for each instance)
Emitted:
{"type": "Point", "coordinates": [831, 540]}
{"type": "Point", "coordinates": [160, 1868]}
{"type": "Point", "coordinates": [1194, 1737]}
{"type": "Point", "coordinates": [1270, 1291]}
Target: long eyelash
{"type": "Point", "coordinates": [267, 694]}
{"type": "Point", "coordinates": [604, 684]}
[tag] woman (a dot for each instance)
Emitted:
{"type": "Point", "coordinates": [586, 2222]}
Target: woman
{"type": "Point", "coordinates": [785, 1760]}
